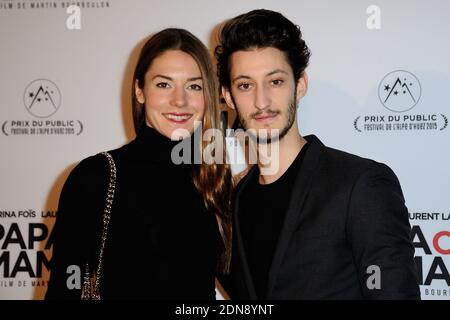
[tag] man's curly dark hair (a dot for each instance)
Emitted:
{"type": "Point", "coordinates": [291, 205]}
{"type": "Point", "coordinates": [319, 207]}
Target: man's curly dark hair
{"type": "Point", "coordinates": [260, 29]}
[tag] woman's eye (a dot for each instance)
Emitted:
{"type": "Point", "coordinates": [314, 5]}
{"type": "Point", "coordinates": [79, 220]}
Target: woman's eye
{"type": "Point", "coordinates": [244, 86]}
{"type": "Point", "coordinates": [196, 87]}
{"type": "Point", "coordinates": [162, 85]}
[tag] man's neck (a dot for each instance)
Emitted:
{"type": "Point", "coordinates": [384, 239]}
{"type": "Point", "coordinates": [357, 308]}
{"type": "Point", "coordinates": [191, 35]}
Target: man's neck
{"type": "Point", "coordinates": [289, 147]}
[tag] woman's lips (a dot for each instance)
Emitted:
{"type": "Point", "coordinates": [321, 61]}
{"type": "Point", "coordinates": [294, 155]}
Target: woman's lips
{"type": "Point", "coordinates": [178, 118]}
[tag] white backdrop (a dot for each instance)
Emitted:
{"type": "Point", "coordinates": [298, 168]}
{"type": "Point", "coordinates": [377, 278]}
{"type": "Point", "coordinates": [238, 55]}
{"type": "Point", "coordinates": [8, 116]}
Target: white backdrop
{"type": "Point", "coordinates": [65, 95]}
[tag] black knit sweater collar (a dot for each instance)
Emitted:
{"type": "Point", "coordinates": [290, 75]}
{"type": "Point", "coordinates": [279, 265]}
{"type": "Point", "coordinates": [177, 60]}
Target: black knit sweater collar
{"type": "Point", "coordinates": [157, 146]}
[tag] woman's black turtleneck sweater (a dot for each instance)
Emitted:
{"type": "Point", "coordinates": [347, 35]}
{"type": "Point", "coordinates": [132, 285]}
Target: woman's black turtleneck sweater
{"type": "Point", "coordinates": [162, 243]}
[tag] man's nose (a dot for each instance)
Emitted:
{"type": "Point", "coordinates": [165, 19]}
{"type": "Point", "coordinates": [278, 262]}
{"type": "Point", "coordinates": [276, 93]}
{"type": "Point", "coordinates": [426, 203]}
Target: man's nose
{"type": "Point", "coordinates": [262, 98]}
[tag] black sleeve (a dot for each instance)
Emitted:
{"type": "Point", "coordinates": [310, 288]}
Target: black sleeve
{"type": "Point", "coordinates": [76, 228]}
{"type": "Point", "coordinates": [380, 232]}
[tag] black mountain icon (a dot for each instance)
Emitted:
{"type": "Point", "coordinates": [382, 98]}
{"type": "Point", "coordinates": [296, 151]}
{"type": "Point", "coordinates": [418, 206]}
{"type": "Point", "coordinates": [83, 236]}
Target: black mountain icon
{"type": "Point", "coordinates": [42, 95]}
{"type": "Point", "coordinates": [399, 87]}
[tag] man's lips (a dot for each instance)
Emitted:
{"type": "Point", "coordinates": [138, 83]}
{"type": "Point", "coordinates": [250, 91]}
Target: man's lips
{"type": "Point", "coordinates": [265, 117]}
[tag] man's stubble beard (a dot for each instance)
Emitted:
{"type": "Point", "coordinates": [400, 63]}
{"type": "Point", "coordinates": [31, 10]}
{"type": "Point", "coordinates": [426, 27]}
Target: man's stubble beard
{"type": "Point", "coordinates": [291, 114]}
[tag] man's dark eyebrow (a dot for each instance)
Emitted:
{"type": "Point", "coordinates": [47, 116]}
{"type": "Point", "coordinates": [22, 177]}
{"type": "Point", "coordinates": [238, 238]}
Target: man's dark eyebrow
{"type": "Point", "coordinates": [240, 77]}
{"type": "Point", "coordinates": [276, 71]}
{"type": "Point", "coordinates": [171, 79]}
{"type": "Point", "coordinates": [267, 75]}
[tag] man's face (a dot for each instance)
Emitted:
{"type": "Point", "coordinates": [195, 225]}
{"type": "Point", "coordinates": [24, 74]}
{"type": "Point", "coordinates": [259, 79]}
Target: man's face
{"type": "Point", "coordinates": [263, 90]}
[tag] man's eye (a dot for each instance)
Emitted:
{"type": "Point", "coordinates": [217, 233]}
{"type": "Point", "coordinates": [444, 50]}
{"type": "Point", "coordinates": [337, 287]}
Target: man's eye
{"type": "Point", "coordinates": [162, 85]}
{"type": "Point", "coordinates": [277, 82]}
{"type": "Point", "coordinates": [196, 87]}
{"type": "Point", "coordinates": [244, 86]}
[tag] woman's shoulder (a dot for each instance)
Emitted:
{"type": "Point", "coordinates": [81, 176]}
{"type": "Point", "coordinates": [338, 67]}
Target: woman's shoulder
{"type": "Point", "coordinates": [90, 166]}
{"type": "Point", "coordinates": [84, 186]}
{"type": "Point", "coordinates": [95, 164]}
{"type": "Point", "coordinates": [92, 172]}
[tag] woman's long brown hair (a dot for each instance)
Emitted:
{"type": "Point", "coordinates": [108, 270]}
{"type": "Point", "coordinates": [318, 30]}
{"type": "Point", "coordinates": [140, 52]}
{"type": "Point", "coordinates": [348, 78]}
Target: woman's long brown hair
{"type": "Point", "coordinates": [214, 181]}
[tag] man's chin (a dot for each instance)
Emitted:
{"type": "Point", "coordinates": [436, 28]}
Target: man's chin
{"type": "Point", "coordinates": [264, 136]}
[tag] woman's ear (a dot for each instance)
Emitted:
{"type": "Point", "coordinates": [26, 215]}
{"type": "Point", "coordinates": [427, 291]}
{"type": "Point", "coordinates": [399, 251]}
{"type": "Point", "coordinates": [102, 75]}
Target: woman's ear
{"type": "Point", "coordinates": [228, 98]}
{"type": "Point", "coordinates": [139, 93]}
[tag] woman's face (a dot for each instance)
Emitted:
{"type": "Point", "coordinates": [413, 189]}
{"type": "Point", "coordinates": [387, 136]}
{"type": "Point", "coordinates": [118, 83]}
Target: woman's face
{"type": "Point", "coordinates": [173, 93]}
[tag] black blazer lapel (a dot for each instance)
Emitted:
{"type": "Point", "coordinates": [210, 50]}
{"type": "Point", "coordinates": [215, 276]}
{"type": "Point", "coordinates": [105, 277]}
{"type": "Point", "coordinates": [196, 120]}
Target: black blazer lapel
{"type": "Point", "coordinates": [298, 196]}
{"type": "Point", "coordinates": [239, 241]}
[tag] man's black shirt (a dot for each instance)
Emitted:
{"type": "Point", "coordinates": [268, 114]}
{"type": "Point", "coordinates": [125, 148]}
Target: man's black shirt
{"type": "Point", "coordinates": [262, 211]}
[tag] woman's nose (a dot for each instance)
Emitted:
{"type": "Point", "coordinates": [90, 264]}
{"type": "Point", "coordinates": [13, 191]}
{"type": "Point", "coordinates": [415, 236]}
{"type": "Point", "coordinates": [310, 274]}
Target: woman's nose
{"type": "Point", "coordinates": [179, 97]}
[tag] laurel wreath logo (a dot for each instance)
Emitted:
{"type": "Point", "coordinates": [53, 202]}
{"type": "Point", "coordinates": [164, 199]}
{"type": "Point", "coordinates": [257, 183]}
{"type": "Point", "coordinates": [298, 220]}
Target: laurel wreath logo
{"type": "Point", "coordinates": [355, 124]}
{"type": "Point", "coordinates": [445, 122]}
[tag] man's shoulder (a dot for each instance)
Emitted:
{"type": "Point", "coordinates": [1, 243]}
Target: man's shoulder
{"type": "Point", "coordinates": [348, 163]}
{"type": "Point", "coordinates": [345, 158]}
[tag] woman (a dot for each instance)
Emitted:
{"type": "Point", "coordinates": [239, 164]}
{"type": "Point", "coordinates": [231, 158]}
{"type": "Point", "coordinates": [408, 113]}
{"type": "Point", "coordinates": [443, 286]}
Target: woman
{"type": "Point", "coordinates": [170, 229]}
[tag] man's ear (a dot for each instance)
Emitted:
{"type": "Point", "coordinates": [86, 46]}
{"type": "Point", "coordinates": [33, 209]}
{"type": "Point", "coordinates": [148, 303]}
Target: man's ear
{"type": "Point", "coordinates": [228, 98]}
{"type": "Point", "coordinates": [302, 86]}
{"type": "Point", "coordinates": [138, 92]}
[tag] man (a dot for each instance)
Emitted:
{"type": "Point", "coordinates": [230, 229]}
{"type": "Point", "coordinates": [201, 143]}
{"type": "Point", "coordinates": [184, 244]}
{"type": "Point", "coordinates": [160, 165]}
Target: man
{"type": "Point", "coordinates": [326, 224]}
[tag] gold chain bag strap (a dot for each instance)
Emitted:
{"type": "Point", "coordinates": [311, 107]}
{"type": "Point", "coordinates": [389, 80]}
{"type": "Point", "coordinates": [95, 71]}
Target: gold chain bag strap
{"type": "Point", "coordinates": [91, 282]}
